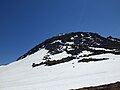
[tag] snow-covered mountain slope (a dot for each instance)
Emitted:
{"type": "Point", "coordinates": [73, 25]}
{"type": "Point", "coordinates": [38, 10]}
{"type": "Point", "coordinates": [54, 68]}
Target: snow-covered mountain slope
{"type": "Point", "coordinates": [59, 69]}
{"type": "Point", "coordinates": [21, 76]}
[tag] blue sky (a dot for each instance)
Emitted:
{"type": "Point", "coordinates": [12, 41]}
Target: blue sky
{"type": "Point", "coordinates": [26, 23]}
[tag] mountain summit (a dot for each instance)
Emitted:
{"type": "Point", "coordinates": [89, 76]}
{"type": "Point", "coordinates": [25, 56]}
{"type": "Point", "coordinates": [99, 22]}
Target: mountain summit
{"type": "Point", "coordinates": [66, 62]}
{"type": "Point", "coordinates": [73, 44]}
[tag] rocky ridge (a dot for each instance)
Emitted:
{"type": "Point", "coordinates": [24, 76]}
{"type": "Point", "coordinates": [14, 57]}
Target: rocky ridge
{"type": "Point", "coordinates": [74, 44]}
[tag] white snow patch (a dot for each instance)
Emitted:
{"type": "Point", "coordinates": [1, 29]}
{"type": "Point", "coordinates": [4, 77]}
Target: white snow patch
{"type": "Point", "coordinates": [72, 38]}
{"type": "Point", "coordinates": [76, 36]}
{"type": "Point", "coordinates": [57, 41]}
{"type": "Point", "coordinates": [70, 43]}
{"type": "Point", "coordinates": [96, 48]}
{"type": "Point", "coordinates": [85, 53]}
{"type": "Point", "coordinates": [64, 47]}
{"type": "Point", "coordinates": [82, 35]}
{"type": "Point", "coordinates": [59, 56]}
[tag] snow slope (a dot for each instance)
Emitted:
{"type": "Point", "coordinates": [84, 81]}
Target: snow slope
{"type": "Point", "coordinates": [20, 75]}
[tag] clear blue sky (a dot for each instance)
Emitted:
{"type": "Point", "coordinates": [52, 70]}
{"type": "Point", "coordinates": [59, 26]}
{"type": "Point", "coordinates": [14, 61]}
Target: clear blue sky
{"type": "Point", "coordinates": [26, 23]}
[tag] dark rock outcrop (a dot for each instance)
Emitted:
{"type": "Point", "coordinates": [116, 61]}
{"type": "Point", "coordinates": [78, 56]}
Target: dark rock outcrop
{"type": "Point", "coordinates": [112, 86]}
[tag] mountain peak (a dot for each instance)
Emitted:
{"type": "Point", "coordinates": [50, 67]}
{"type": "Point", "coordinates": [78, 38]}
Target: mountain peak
{"type": "Point", "coordinates": [113, 39]}
{"type": "Point", "coordinates": [74, 43]}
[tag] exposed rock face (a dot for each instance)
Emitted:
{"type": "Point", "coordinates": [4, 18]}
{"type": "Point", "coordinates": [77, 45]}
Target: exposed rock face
{"type": "Point", "coordinates": [112, 86]}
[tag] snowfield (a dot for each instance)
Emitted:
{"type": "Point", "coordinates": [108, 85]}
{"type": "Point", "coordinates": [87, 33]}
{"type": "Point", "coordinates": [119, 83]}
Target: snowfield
{"type": "Point", "coordinates": [20, 75]}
